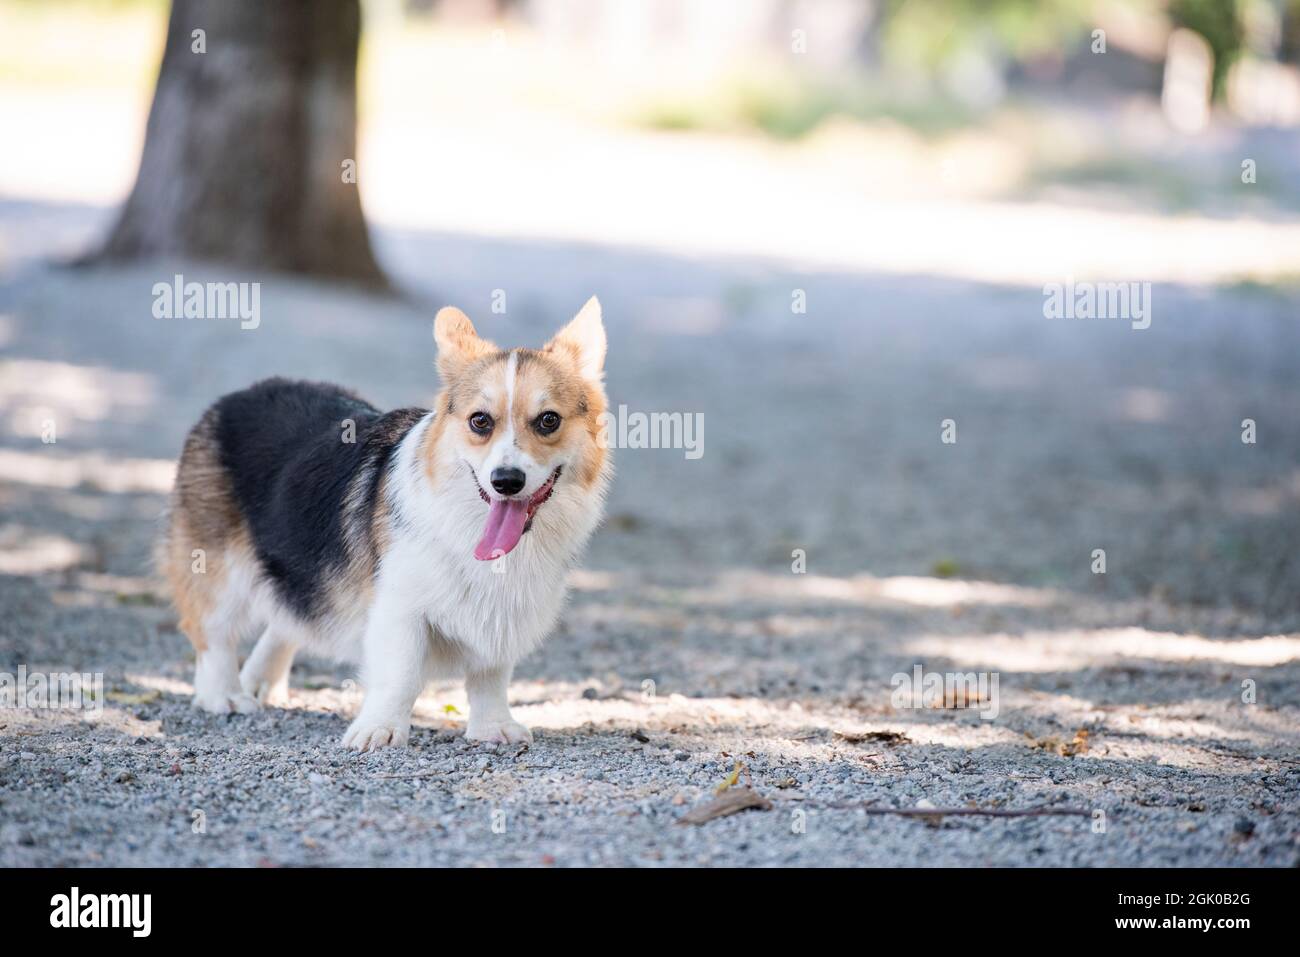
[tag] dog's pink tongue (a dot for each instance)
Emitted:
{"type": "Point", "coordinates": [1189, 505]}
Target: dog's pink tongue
{"type": "Point", "coordinates": [505, 523]}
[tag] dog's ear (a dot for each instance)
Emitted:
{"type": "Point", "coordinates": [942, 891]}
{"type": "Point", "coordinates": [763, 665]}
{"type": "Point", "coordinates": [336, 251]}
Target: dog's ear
{"type": "Point", "coordinates": [582, 341]}
{"type": "Point", "coordinates": [458, 343]}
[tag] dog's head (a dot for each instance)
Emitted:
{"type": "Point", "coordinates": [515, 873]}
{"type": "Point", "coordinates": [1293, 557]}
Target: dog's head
{"type": "Point", "coordinates": [522, 424]}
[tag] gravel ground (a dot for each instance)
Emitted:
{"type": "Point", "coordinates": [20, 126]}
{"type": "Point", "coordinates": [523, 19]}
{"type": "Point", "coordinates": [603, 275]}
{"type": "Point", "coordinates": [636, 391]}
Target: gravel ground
{"type": "Point", "coordinates": [690, 645]}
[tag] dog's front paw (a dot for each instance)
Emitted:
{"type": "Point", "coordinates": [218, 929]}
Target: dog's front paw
{"type": "Point", "coordinates": [221, 702]}
{"type": "Point", "coordinates": [366, 734]}
{"type": "Point", "coordinates": [498, 731]}
{"type": "Point", "coordinates": [267, 694]}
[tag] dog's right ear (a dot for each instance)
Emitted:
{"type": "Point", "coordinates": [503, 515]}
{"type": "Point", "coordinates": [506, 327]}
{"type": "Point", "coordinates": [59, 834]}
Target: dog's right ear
{"type": "Point", "coordinates": [458, 344]}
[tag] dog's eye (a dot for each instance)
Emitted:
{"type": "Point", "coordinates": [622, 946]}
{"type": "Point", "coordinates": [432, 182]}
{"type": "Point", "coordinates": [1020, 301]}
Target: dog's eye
{"type": "Point", "coordinates": [481, 423]}
{"type": "Point", "coordinates": [548, 422]}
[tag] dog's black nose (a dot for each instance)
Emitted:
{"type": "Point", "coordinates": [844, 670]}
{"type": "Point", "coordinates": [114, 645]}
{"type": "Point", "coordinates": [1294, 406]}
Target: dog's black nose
{"type": "Point", "coordinates": [508, 481]}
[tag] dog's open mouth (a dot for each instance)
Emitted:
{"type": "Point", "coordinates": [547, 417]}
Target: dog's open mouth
{"type": "Point", "coordinates": [508, 519]}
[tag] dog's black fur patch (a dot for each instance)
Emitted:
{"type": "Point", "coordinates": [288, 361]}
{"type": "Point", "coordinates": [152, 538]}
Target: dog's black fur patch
{"type": "Point", "coordinates": [303, 490]}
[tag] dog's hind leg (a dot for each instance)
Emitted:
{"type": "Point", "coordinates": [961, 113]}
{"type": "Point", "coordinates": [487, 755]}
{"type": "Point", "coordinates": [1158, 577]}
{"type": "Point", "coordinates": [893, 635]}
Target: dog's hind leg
{"type": "Point", "coordinates": [215, 616]}
{"type": "Point", "coordinates": [216, 672]}
{"type": "Point", "coordinates": [265, 675]}
{"type": "Point", "coordinates": [207, 557]}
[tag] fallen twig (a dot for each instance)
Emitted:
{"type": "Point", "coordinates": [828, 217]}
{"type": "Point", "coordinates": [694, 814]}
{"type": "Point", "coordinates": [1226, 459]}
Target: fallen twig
{"type": "Point", "coordinates": [888, 737]}
{"type": "Point", "coordinates": [932, 812]}
{"type": "Point", "coordinates": [413, 774]}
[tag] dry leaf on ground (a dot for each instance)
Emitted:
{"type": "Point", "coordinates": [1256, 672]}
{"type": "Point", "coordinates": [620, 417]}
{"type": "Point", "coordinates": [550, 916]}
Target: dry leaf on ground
{"type": "Point", "coordinates": [1066, 749]}
{"type": "Point", "coordinates": [731, 801]}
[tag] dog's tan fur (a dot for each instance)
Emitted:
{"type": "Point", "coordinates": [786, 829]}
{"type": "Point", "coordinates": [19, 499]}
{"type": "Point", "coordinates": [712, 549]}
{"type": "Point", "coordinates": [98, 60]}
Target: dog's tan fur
{"type": "Point", "coordinates": [204, 521]}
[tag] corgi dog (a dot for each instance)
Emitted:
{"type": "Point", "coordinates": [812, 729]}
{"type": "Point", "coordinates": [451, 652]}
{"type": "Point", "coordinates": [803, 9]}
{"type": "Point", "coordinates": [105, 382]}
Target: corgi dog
{"type": "Point", "coordinates": [417, 543]}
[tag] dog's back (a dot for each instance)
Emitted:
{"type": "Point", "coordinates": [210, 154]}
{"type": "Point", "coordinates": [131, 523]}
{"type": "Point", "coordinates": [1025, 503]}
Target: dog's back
{"type": "Point", "coordinates": [277, 485]}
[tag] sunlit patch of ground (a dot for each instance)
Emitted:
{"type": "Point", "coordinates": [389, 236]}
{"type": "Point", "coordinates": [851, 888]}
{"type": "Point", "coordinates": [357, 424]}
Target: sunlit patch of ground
{"type": "Point", "coordinates": [56, 469]}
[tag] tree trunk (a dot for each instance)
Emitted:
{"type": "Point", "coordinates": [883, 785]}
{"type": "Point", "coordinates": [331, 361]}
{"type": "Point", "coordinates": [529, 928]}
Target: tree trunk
{"type": "Point", "coordinates": [247, 141]}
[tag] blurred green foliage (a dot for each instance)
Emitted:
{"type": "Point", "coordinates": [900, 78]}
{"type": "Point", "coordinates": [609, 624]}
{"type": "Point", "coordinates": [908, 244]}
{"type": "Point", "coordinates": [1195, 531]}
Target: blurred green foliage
{"type": "Point", "coordinates": [929, 33]}
{"type": "Point", "coordinates": [1220, 23]}
{"type": "Point", "coordinates": [945, 568]}
{"type": "Point", "coordinates": [920, 40]}
{"type": "Point", "coordinates": [791, 110]}
{"type": "Point", "coordinates": [788, 107]}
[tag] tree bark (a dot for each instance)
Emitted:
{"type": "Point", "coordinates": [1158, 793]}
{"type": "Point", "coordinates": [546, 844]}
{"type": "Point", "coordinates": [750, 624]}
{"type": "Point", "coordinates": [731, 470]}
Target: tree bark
{"type": "Point", "coordinates": [246, 142]}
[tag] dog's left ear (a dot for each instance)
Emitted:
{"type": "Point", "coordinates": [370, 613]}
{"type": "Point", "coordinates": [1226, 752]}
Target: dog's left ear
{"type": "Point", "coordinates": [582, 341]}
